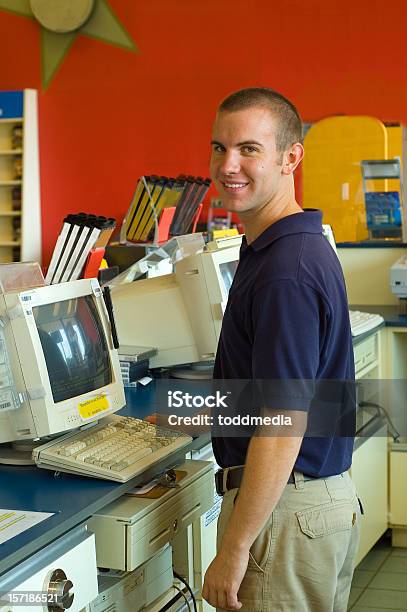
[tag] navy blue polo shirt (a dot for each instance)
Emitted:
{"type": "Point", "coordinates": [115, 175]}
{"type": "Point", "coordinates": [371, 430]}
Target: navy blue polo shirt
{"type": "Point", "coordinates": [287, 319]}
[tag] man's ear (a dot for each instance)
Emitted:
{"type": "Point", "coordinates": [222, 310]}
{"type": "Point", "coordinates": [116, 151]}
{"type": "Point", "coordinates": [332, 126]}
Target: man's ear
{"type": "Point", "coordinates": [292, 158]}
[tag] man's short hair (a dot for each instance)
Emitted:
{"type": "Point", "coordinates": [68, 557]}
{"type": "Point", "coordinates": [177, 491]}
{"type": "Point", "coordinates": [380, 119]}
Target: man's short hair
{"type": "Point", "coordinates": [289, 130]}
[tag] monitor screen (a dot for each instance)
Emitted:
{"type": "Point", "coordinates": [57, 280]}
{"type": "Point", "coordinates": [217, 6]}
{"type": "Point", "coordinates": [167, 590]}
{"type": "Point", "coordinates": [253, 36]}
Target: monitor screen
{"type": "Point", "coordinates": [74, 345]}
{"type": "Point", "coordinates": [228, 270]}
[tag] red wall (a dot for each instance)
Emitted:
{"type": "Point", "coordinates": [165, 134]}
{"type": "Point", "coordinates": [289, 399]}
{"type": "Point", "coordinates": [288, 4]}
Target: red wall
{"type": "Point", "coordinates": [110, 115]}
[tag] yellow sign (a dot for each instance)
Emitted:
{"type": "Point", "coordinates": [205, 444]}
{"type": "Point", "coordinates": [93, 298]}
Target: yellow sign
{"type": "Point", "coordinates": [93, 406]}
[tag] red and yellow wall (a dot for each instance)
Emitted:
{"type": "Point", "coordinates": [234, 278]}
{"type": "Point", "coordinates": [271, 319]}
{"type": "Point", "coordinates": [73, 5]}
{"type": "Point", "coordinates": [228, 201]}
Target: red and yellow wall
{"type": "Point", "coordinates": [110, 115]}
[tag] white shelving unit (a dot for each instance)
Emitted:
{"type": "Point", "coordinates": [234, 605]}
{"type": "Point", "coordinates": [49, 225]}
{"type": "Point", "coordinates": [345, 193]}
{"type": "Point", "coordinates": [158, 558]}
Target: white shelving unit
{"type": "Point", "coordinates": [20, 212]}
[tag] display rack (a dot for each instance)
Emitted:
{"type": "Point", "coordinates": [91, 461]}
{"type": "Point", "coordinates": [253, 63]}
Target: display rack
{"type": "Point", "coordinates": [385, 208]}
{"type": "Point", "coordinates": [20, 214]}
{"type": "Point", "coordinates": [163, 207]}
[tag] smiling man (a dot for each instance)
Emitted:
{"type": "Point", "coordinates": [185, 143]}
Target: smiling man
{"type": "Point", "coordinates": [289, 527]}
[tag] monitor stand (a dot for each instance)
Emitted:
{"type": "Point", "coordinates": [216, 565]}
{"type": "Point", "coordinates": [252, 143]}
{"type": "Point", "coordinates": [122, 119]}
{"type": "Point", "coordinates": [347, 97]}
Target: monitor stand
{"type": "Point", "coordinates": [18, 453]}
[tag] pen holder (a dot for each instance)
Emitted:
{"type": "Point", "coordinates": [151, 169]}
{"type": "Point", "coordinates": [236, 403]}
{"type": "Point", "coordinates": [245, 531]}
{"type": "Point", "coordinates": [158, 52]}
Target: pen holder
{"type": "Point", "coordinates": [162, 228]}
{"type": "Point", "coordinates": [146, 214]}
{"type": "Point", "coordinates": [163, 225]}
{"type": "Point", "coordinates": [163, 207]}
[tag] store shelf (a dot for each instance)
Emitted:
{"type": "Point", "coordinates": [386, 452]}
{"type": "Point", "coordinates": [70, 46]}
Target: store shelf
{"type": "Point", "coordinates": [12, 120]}
{"type": "Point", "coordinates": [12, 152]}
{"type": "Point", "coordinates": [20, 215]}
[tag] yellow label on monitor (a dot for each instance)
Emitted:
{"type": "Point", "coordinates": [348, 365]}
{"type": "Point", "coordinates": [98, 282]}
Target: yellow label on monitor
{"type": "Point", "coordinates": [225, 233]}
{"type": "Point", "coordinates": [93, 406]}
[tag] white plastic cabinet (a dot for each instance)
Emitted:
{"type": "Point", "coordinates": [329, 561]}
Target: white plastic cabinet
{"type": "Point", "coordinates": [369, 466]}
{"type": "Point", "coordinates": [369, 473]}
{"type": "Point", "coordinates": [398, 493]}
{"type": "Point", "coordinates": [63, 573]}
{"type": "Point", "coordinates": [195, 547]}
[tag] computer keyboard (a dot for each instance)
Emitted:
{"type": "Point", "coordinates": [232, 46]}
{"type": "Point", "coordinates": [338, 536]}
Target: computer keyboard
{"type": "Point", "coordinates": [117, 449]}
{"type": "Point", "coordinates": [361, 322]}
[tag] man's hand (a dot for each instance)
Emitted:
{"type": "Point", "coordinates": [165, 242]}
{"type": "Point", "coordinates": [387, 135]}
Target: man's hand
{"type": "Point", "coordinates": [224, 577]}
{"type": "Point", "coordinates": [259, 493]}
{"type": "Point", "coordinates": [161, 420]}
{"type": "Point", "coordinates": [158, 419]}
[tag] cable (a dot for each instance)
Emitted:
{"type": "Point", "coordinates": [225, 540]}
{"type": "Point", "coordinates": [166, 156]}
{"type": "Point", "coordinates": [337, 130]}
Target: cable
{"type": "Point", "coordinates": [181, 579]}
{"type": "Point", "coordinates": [393, 431]}
{"type": "Point", "coordinates": [169, 605]}
{"type": "Point", "coordinates": [184, 596]}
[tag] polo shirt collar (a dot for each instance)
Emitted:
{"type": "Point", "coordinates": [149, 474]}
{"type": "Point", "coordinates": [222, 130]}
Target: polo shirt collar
{"type": "Point", "coordinates": [308, 222]}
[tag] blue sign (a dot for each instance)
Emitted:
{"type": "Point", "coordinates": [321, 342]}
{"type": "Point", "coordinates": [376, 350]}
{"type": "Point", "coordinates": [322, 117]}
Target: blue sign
{"type": "Point", "coordinates": [383, 209]}
{"type": "Point", "coordinates": [11, 104]}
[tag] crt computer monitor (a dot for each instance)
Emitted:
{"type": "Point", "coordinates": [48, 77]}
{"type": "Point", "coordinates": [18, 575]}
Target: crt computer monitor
{"type": "Point", "coordinates": [181, 313]}
{"type": "Point", "coordinates": [329, 235]}
{"type": "Point", "coordinates": [58, 367]}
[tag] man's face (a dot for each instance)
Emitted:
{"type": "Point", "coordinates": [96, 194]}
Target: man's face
{"type": "Point", "coordinates": [245, 165]}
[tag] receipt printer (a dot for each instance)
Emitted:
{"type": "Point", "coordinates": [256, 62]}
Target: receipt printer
{"type": "Point", "coordinates": [398, 277]}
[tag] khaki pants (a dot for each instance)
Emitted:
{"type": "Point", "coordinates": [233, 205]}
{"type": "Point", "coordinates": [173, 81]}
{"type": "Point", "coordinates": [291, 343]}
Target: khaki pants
{"type": "Point", "coordinates": [303, 559]}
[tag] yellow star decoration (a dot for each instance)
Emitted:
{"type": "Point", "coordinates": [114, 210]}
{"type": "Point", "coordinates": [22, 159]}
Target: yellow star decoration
{"type": "Point", "coordinates": [101, 24]}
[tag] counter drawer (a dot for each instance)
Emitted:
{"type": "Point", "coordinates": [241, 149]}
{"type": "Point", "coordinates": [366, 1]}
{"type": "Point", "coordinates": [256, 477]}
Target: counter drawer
{"type": "Point", "coordinates": [130, 530]}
